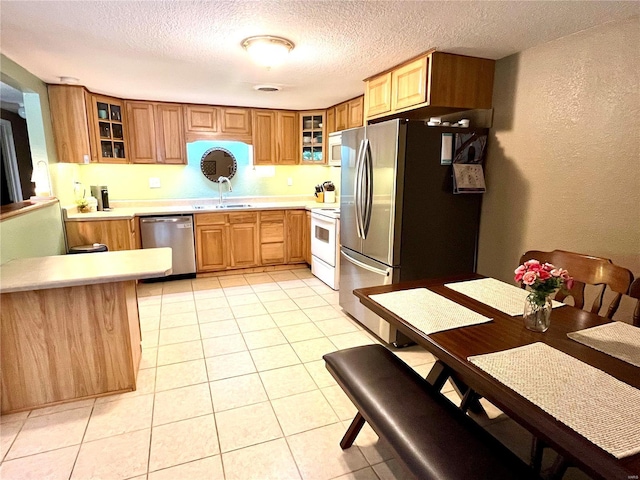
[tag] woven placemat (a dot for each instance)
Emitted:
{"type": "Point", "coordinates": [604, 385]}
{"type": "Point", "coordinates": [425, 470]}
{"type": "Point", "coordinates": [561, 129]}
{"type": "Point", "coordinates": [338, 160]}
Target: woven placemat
{"type": "Point", "coordinates": [617, 339]}
{"type": "Point", "coordinates": [598, 406]}
{"type": "Point", "coordinates": [502, 296]}
{"type": "Point", "coordinates": [428, 311]}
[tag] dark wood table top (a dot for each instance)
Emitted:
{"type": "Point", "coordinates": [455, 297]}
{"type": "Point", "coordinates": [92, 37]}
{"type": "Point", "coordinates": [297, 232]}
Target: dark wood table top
{"type": "Point", "coordinates": [454, 346]}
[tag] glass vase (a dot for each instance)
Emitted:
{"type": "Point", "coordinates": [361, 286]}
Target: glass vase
{"type": "Point", "coordinates": [537, 313]}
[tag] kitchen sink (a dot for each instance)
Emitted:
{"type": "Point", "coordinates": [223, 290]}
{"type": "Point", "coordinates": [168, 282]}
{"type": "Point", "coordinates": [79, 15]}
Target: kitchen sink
{"type": "Point", "coordinates": [233, 205]}
{"type": "Point", "coordinates": [224, 206]}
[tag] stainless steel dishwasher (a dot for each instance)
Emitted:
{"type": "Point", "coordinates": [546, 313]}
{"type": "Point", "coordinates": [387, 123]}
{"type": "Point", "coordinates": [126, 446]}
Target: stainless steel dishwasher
{"type": "Point", "coordinates": [174, 231]}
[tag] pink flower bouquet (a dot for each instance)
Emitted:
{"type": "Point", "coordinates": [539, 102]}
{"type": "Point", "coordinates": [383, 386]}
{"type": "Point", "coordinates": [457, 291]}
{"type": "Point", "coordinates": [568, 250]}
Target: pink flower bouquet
{"type": "Point", "coordinates": [543, 279]}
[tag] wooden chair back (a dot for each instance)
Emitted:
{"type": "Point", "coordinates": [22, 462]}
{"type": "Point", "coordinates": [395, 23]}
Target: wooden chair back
{"type": "Point", "coordinates": [634, 292]}
{"type": "Point", "coordinates": [587, 270]}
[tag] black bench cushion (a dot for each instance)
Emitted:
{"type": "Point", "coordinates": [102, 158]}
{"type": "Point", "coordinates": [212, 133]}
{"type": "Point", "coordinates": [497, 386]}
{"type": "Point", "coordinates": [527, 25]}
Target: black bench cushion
{"type": "Point", "coordinates": [429, 435]}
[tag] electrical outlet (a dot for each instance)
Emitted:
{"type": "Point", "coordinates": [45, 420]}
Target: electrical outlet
{"type": "Point", "coordinates": [154, 182]}
{"type": "Point", "coordinates": [290, 181]}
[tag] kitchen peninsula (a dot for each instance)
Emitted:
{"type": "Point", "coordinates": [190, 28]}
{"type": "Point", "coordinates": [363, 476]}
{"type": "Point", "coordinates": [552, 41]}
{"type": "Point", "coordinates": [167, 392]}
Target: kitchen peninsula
{"type": "Point", "coordinates": [69, 325]}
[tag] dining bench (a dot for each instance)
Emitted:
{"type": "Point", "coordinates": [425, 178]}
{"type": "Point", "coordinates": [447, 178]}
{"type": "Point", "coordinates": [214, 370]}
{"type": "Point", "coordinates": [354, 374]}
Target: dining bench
{"type": "Point", "coordinates": [427, 434]}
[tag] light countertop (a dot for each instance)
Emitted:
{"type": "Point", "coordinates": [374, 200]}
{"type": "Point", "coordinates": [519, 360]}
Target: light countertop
{"type": "Point", "coordinates": [59, 271]}
{"type": "Point", "coordinates": [127, 210]}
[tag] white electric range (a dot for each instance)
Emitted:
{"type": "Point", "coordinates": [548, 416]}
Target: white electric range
{"type": "Point", "coordinates": [325, 245]}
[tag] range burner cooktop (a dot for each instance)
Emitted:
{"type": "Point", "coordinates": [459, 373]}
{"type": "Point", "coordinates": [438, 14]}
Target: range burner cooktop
{"type": "Point", "coordinates": [327, 212]}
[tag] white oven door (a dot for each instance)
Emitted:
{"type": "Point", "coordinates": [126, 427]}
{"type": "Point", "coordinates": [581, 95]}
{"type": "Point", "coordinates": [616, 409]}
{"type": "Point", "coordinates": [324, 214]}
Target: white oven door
{"type": "Point", "coordinates": [323, 238]}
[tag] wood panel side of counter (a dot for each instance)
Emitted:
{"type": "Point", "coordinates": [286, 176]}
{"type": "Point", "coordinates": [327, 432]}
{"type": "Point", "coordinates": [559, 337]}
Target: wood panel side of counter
{"type": "Point", "coordinates": [63, 344]}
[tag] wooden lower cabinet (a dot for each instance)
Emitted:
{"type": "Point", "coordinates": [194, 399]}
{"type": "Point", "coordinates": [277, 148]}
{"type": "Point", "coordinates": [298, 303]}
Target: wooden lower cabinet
{"type": "Point", "coordinates": [306, 237]}
{"type": "Point", "coordinates": [226, 241]}
{"type": "Point", "coordinates": [243, 240]}
{"type": "Point", "coordinates": [115, 234]}
{"type": "Point", "coordinates": [295, 221]}
{"type": "Point", "coordinates": [212, 248]}
{"type": "Point", "coordinates": [272, 235]}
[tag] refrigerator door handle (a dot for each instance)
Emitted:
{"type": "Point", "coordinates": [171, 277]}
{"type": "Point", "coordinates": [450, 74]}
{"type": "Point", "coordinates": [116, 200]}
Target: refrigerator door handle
{"type": "Point", "coordinates": [368, 192]}
{"type": "Point", "coordinates": [385, 273]}
{"type": "Point", "coordinates": [357, 191]}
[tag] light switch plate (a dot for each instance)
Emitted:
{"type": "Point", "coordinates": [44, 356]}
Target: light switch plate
{"type": "Point", "coordinates": [290, 181]}
{"type": "Point", "coordinates": [154, 182]}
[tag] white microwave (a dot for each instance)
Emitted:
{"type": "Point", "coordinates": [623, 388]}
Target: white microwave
{"type": "Point", "coordinates": [335, 145]}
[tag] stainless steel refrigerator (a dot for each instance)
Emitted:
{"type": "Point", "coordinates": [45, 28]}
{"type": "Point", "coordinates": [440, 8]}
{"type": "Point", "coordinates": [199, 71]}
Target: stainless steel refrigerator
{"type": "Point", "coordinates": [400, 219]}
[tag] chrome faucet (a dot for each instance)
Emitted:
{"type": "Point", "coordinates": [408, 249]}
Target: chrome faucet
{"type": "Point", "coordinates": [221, 180]}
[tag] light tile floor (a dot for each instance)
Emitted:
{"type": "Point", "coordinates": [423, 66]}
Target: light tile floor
{"type": "Point", "coordinates": [232, 386]}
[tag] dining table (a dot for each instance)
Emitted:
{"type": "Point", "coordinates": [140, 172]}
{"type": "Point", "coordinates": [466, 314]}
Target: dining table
{"type": "Point", "coordinates": [453, 348]}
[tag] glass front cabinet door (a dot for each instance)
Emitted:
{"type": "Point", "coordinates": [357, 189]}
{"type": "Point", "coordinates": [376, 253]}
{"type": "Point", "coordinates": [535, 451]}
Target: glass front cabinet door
{"type": "Point", "coordinates": [108, 120]}
{"type": "Point", "coordinates": [312, 128]}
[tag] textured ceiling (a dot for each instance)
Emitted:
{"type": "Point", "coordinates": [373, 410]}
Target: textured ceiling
{"type": "Point", "coordinates": [189, 51]}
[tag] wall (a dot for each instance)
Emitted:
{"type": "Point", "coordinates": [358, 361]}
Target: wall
{"type": "Point", "coordinates": [34, 234]}
{"type": "Point", "coordinates": [563, 167]}
{"type": "Point", "coordinates": [16, 76]}
{"type": "Point", "coordinates": [38, 233]}
{"type": "Point", "coordinates": [131, 182]}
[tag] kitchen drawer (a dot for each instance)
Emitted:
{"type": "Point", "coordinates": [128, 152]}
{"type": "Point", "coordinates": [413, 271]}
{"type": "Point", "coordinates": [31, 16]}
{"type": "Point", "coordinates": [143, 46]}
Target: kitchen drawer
{"type": "Point", "coordinates": [271, 232]}
{"type": "Point", "coordinates": [243, 217]}
{"type": "Point", "coordinates": [211, 218]}
{"type": "Point", "coordinates": [271, 215]}
{"type": "Point", "coordinates": [272, 253]}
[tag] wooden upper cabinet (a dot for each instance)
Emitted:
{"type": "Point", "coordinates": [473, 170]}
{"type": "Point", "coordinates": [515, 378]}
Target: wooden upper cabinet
{"type": "Point", "coordinates": [345, 115]}
{"type": "Point", "coordinates": [287, 138]}
{"type": "Point", "coordinates": [142, 132]}
{"type": "Point", "coordinates": [170, 132]}
{"type": "Point", "coordinates": [435, 79]}
{"type": "Point", "coordinates": [409, 85]}
{"type": "Point", "coordinates": [107, 125]}
{"type": "Point", "coordinates": [264, 137]}
{"type": "Point", "coordinates": [201, 118]}
{"type": "Point", "coordinates": [235, 120]}
{"type": "Point", "coordinates": [312, 137]}
{"type": "Point", "coordinates": [355, 112]}
{"type": "Point", "coordinates": [331, 120]}
{"type": "Point", "coordinates": [342, 117]}
{"type": "Point", "coordinates": [461, 82]}
{"type": "Point", "coordinates": [70, 123]}
{"type": "Point", "coordinates": [377, 95]}
{"type": "Point", "coordinates": [156, 132]}
{"type": "Point", "coordinates": [275, 137]}
{"type": "Point", "coordinates": [87, 127]}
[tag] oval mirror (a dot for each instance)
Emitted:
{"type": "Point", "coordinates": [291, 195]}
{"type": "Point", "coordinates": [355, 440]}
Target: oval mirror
{"type": "Point", "coordinates": [218, 162]}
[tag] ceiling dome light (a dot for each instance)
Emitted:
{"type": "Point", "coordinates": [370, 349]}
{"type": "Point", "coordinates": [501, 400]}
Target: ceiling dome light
{"type": "Point", "coordinates": [69, 80]}
{"type": "Point", "coordinates": [266, 50]}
